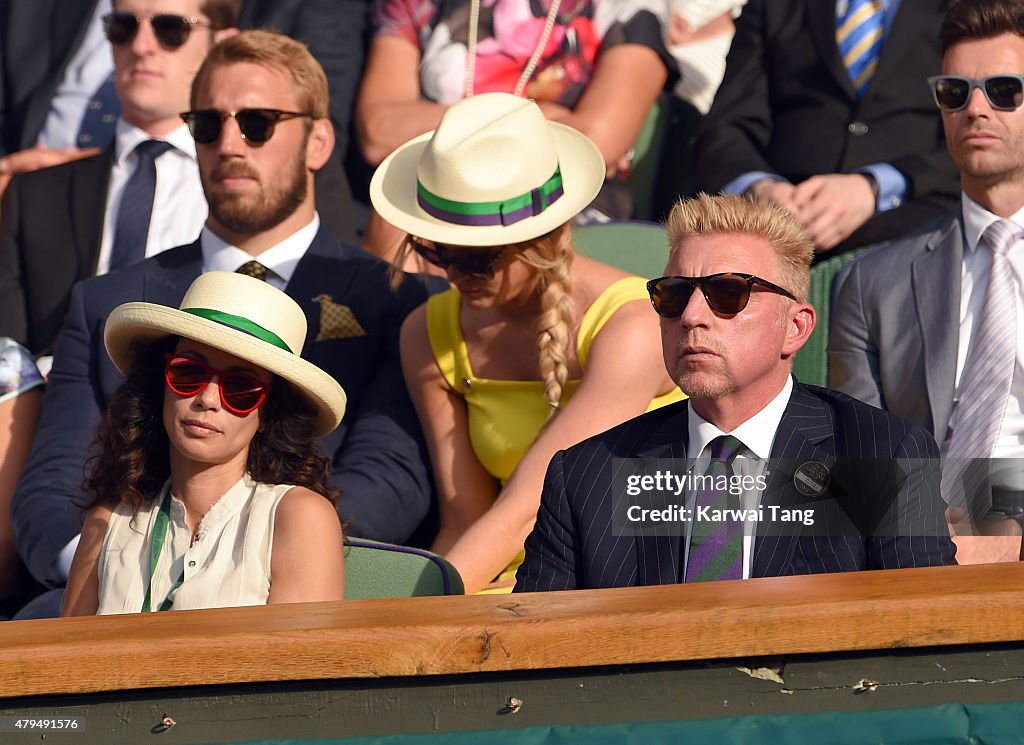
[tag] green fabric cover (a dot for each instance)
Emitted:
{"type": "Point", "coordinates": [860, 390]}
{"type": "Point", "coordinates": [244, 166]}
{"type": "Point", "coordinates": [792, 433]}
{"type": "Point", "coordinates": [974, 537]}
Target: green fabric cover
{"type": "Point", "coordinates": [633, 245]}
{"type": "Point", "coordinates": [810, 365]}
{"type": "Point", "coordinates": [955, 724]}
{"type": "Point", "coordinates": [381, 570]}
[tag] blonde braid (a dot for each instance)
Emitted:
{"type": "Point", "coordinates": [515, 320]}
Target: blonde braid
{"type": "Point", "coordinates": [552, 256]}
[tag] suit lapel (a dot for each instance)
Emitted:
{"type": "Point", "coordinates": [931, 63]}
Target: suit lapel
{"type": "Point", "coordinates": [89, 182]}
{"type": "Point", "coordinates": [804, 434]}
{"type": "Point", "coordinates": [318, 269]}
{"type": "Point", "coordinates": [659, 558]}
{"type": "Point", "coordinates": [821, 20]}
{"type": "Point", "coordinates": [936, 289]}
{"type": "Point", "coordinates": [173, 272]}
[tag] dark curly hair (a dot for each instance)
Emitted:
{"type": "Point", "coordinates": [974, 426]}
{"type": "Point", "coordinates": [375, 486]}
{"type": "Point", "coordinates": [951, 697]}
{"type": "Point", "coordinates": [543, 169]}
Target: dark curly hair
{"type": "Point", "coordinates": [131, 450]}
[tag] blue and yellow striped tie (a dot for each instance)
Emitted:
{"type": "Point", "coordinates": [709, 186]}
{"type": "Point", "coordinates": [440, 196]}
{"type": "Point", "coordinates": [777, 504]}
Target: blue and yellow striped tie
{"type": "Point", "coordinates": [859, 33]}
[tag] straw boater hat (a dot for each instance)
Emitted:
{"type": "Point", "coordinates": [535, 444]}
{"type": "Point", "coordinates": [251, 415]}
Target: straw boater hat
{"type": "Point", "coordinates": [239, 315]}
{"type": "Point", "coordinates": [494, 172]}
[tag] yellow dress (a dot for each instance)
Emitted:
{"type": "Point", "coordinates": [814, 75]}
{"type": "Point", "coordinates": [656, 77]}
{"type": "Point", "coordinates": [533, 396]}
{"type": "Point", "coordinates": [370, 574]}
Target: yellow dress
{"type": "Point", "coordinates": [506, 415]}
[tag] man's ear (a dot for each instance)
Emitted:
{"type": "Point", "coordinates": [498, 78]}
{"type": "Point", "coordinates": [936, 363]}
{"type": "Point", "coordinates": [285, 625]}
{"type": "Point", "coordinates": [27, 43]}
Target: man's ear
{"type": "Point", "coordinates": [320, 144]}
{"type": "Point", "coordinates": [224, 33]}
{"type": "Point", "coordinates": [801, 319]}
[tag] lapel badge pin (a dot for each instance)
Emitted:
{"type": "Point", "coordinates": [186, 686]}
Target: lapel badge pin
{"type": "Point", "coordinates": [811, 478]}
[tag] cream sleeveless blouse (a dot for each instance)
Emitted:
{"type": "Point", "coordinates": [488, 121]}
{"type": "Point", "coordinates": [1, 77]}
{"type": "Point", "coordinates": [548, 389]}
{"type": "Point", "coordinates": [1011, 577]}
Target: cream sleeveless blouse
{"type": "Point", "coordinates": [228, 565]}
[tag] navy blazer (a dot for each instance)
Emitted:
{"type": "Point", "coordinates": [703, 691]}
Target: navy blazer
{"type": "Point", "coordinates": [574, 544]}
{"type": "Point", "coordinates": [379, 460]}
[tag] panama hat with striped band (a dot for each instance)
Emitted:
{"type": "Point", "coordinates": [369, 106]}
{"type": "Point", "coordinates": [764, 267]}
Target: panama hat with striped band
{"type": "Point", "coordinates": [239, 315]}
{"type": "Point", "coordinates": [494, 172]}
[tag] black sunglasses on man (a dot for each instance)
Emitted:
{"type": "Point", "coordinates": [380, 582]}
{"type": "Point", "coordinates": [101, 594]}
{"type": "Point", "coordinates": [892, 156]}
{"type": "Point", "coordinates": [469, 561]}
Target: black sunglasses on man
{"type": "Point", "coordinates": [727, 292]}
{"type": "Point", "coordinates": [172, 31]}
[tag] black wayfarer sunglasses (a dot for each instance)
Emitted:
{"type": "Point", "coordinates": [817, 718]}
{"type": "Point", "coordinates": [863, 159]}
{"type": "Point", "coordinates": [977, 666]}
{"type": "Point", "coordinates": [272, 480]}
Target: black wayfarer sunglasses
{"type": "Point", "coordinates": [726, 293]}
{"type": "Point", "coordinates": [257, 125]}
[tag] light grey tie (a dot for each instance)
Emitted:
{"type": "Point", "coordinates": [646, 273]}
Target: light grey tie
{"type": "Point", "coordinates": [988, 372]}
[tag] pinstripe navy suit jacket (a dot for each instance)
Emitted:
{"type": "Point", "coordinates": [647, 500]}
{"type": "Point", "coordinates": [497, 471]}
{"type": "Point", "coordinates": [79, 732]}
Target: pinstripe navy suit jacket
{"type": "Point", "coordinates": [575, 546]}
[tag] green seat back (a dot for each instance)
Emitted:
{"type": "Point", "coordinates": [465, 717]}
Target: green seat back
{"type": "Point", "coordinates": [644, 169]}
{"type": "Point", "coordinates": [633, 245]}
{"type": "Point", "coordinates": [810, 365]}
{"type": "Point", "coordinates": [384, 570]}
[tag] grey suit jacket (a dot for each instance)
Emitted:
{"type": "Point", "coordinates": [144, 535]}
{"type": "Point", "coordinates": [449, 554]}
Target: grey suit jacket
{"type": "Point", "coordinates": [894, 336]}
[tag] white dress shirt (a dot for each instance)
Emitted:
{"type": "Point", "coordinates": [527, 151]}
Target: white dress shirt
{"type": "Point", "coordinates": [179, 205]}
{"type": "Point", "coordinates": [281, 260]}
{"type": "Point", "coordinates": [977, 265]}
{"type": "Point", "coordinates": [757, 434]}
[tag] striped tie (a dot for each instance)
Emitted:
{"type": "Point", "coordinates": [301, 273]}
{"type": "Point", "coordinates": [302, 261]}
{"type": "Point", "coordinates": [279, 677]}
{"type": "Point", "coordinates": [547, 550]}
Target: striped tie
{"type": "Point", "coordinates": [716, 547]}
{"type": "Point", "coordinates": [985, 382]}
{"type": "Point", "coordinates": [253, 269]}
{"type": "Point", "coordinates": [859, 33]}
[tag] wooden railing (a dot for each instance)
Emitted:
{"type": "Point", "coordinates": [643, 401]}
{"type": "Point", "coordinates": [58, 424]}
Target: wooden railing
{"type": "Point", "coordinates": [432, 636]}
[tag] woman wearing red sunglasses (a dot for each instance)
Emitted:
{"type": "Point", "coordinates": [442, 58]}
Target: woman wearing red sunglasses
{"type": "Point", "coordinates": [535, 348]}
{"type": "Point", "coordinates": [208, 489]}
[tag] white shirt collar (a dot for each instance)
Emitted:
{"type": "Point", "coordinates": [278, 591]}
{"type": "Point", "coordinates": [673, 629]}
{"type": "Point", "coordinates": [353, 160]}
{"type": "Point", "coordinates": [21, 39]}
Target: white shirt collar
{"type": "Point", "coordinates": [281, 260]}
{"type": "Point", "coordinates": [977, 219]}
{"type": "Point", "coordinates": [757, 433]}
{"type": "Point", "coordinates": [127, 137]}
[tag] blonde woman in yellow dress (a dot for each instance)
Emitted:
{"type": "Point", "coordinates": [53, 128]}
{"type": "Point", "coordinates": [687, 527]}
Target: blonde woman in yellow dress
{"type": "Point", "coordinates": [534, 348]}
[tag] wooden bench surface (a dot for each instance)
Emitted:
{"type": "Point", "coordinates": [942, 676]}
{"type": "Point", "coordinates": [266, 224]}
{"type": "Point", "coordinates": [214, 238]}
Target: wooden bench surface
{"type": "Point", "coordinates": [442, 635]}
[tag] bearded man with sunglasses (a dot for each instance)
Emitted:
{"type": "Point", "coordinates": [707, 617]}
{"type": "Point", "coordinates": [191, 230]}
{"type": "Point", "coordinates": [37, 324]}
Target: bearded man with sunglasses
{"type": "Point", "coordinates": [734, 312]}
{"type": "Point", "coordinates": [929, 328]}
{"type": "Point", "coordinates": [259, 117]}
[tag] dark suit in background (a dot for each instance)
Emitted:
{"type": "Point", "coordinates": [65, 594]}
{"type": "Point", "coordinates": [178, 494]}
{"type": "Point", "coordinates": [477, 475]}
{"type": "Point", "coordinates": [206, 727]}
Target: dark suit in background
{"type": "Point", "coordinates": [786, 106]}
{"type": "Point", "coordinates": [574, 544]}
{"type": "Point", "coordinates": [37, 40]}
{"type": "Point", "coordinates": [378, 458]}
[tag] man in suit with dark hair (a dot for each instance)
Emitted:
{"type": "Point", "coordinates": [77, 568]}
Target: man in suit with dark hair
{"type": "Point", "coordinates": [925, 328]}
{"type": "Point", "coordinates": [823, 110]}
{"type": "Point", "coordinates": [260, 120]}
{"type": "Point", "coordinates": [734, 313]}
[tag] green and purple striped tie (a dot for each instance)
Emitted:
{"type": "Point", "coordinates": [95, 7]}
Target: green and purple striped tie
{"type": "Point", "coordinates": [716, 547]}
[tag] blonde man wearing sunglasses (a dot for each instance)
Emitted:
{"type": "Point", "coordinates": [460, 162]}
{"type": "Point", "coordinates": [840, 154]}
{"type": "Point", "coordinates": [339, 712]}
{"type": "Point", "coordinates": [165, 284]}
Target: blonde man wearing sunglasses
{"type": "Point", "coordinates": [825, 482]}
{"type": "Point", "coordinates": [929, 328]}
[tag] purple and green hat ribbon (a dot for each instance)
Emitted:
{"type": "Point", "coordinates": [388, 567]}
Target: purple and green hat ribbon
{"type": "Point", "coordinates": [502, 212]}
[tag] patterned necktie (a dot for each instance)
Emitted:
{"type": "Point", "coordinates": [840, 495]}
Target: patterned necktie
{"type": "Point", "coordinates": [985, 382]}
{"type": "Point", "coordinates": [253, 269]}
{"type": "Point", "coordinates": [988, 371]}
{"type": "Point", "coordinates": [859, 33]}
{"type": "Point", "coordinates": [131, 230]}
{"type": "Point", "coordinates": [716, 547]}
{"type": "Point", "coordinates": [97, 127]}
